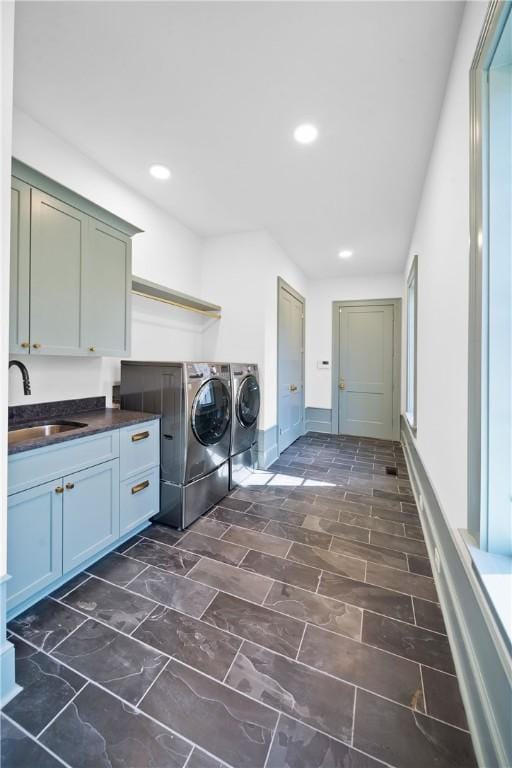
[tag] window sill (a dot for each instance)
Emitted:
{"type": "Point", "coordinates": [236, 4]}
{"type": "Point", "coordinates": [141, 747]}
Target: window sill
{"type": "Point", "coordinates": [494, 573]}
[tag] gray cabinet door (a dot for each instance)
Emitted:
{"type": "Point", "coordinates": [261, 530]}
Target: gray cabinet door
{"type": "Point", "coordinates": [20, 268]}
{"type": "Point", "coordinates": [58, 242]}
{"type": "Point", "coordinates": [106, 291]}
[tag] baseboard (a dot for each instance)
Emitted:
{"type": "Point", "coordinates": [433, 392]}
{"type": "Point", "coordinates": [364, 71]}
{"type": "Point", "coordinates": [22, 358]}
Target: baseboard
{"type": "Point", "coordinates": [481, 657]}
{"type": "Point", "coordinates": [8, 686]}
{"type": "Point", "coordinates": [268, 450]}
{"type": "Point", "coordinates": [318, 420]}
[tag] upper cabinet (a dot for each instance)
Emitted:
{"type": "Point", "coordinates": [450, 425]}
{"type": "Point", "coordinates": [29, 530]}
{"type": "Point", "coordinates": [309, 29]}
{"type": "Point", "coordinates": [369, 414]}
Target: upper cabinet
{"type": "Point", "coordinates": [70, 272]}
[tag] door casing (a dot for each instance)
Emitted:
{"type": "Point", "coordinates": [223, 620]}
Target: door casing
{"type": "Point", "coordinates": [283, 284]}
{"type": "Point", "coordinates": [397, 354]}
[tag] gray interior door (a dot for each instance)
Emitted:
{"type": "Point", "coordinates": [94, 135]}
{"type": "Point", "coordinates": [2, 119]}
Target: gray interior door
{"type": "Point", "coordinates": [365, 386]}
{"type": "Point", "coordinates": [291, 367]}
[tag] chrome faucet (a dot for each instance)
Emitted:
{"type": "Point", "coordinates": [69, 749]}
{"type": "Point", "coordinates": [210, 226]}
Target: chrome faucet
{"type": "Point", "coordinates": [24, 374]}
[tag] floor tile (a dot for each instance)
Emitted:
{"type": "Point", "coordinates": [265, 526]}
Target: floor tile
{"type": "Point", "coordinates": [306, 535]}
{"type": "Point", "coordinates": [390, 676]}
{"type": "Point", "coordinates": [372, 523]}
{"type": "Point", "coordinates": [117, 569]}
{"type": "Point", "coordinates": [307, 508]}
{"type": "Point", "coordinates": [47, 688]}
{"type": "Point", "coordinates": [442, 697]}
{"type": "Point", "coordinates": [308, 695]}
{"type": "Point", "coordinates": [367, 596]}
{"type": "Point", "coordinates": [240, 505]}
{"type": "Point", "coordinates": [17, 750]}
{"type": "Point", "coordinates": [420, 565]}
{"type": "Point", "coordinates": [173, 591]}
{"type": "Point", "coordinates": [281, 569]}
{"type": "Point", "coordinates": [342, 530]}
{"type": "Point", "coordinates": [403, 738]}
{"type": "Point", "coordinates": [205, 546]}
{"type": "Point", "coordinates": [329, 561]}
{"type": "Point", "coordinates": [236, 581]}
{"type": "Point", "coordinates": [429, 615]}
{"type": "Point", "coordinates": [393, 578]}
{"type": "Point", "coordinates": [117, 607]}
{"type": "Point", "coordinates": [369, 552]}
{"type": "Point", "coordinates": [296, 745]}
{"type": "Point", "coordinates": [194, 642]}
{"type": "Point", "coordinates": [162, 556]}
{"type": "Point", "coordinates": [98, 731]}
{"type": "Point", "coordinates": [397, 516]}
{"type": "Point", "coordinates": [278, 513]}
{"type": "Point", "coordinates": [130, 542]}
{"type": "Point", "coordinates": [399, 543]}
{"type": "Point", "coordinates": [199, 759]}
{"type": "Point", "coordinates": [261, 542]}
{"type": "Point", "coordinates": [233, 517]}
{"type": "Point", "coordinates": [46, 623]}
{"type": "Point", "coordinates": [222, 721]}
{"type": "Point", "coordinates": [162, 533]}
{"type": "Point", "coordinates": [414, 531]}
{"type": "Point", "coordinates": [316, 609]}
{"type": "Point", "coordinates": [414, 643]}
{"type": "Point", "coordinates": [70, 585]}
{"type": "Point", "coordinates": [209, 527]}
{"type": "Point", "coordinates": [256, 623]}
{"type": "Point", "coordinates": [119, 663]}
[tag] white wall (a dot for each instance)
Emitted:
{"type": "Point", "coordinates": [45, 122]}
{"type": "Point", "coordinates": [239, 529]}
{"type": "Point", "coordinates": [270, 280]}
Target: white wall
{"type": "Point", "coordinates": [321, 294]}
{"type": "Point", "coordinates": [6, 70]}
{"type": "Point", "coordinates": [166, 252]}
{"type": "Point", "coordinates": [441, 240]}
{"type": "Point", "coordinates": [240, 273]}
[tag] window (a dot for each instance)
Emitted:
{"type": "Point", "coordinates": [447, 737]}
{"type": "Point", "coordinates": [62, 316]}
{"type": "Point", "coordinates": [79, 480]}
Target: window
{"type": "Point", "coordinates": [490, 373]}
{"type": "Point", "coordinates": [412, 318]}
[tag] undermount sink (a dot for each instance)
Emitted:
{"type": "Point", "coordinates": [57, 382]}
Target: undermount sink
{"type": "Point", "coordinates": [30, 432]}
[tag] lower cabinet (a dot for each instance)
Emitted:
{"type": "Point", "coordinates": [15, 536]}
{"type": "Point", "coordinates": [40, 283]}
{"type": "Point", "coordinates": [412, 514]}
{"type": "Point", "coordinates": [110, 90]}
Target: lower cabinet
{"type": "Point", "coordinates": [90, 512]}
{"type": "Point", "coordinates": [34, 540]}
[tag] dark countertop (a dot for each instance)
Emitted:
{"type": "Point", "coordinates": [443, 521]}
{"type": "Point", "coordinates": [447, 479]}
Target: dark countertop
{"type": "Point", "coordinates": [100, 420]}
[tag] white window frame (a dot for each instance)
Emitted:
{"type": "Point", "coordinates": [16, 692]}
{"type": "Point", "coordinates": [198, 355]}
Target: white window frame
{"type": "Point", "coordinates": [490, 532]}
{"type": "Point", "coordinates": [411, 356]}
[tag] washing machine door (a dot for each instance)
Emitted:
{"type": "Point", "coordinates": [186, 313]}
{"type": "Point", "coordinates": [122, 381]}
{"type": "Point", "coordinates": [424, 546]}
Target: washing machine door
{"type": "Point", "coordinates": [210, 415]}
{"type": "Point", "coordinates": [248, 402]}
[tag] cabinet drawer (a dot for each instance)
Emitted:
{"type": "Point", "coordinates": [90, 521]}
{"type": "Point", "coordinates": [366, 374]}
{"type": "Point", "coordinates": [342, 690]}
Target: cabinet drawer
{"type": "Point", "coordinates": [139, 448]}
{"type": "Point", "coordinates": [32, 468]}
{"type": "Point", "coordinates": [139, 500]}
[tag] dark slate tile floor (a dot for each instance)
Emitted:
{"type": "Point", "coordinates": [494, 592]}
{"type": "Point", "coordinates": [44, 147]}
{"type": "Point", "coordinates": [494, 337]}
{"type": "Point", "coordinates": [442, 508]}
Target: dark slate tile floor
{"type": "Point", "coordinates": [294, 626]}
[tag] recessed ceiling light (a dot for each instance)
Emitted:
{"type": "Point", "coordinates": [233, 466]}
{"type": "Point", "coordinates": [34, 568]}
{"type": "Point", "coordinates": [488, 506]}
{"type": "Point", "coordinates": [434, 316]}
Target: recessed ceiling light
{"type": "Point", "coordinates": [159, 171]}
{"type": "Point", "coordinates": [345, 254]}
{"type": "Point", "coordinates": [306, 133]}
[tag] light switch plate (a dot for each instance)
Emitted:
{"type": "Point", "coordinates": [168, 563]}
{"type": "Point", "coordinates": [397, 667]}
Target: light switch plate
{"type": "Point", "coordinates": [325, 364]}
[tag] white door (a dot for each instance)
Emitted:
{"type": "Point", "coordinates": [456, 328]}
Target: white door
{"type": "Point", "coordinates": [365, 385]}
{"type": "Point", "coordinates": [290, 364]}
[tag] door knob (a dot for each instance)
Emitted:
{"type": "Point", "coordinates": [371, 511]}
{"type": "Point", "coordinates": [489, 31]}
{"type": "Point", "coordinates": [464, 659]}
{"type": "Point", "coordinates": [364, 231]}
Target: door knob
{"type": "Point", "coordinates": [341, 384]}
{"type": "Point", "coordinates": [36, 346]}
{"type": "Point", "coordinates": [59, 489]}
{"type": "Point", "coordinates": [25, 345]}
{"type": "Point", "coordinates": [293, 387]}
{"type": "Point", "coordinates": [92, 349]}
{"type": "Point", "coordinates": [70, 486]}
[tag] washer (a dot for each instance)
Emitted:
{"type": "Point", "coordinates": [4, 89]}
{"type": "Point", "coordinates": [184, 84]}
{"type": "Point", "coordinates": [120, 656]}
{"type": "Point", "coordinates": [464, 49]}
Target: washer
{"type": "Point", "coordinates": [194, 400]}
{"type": "Point", "coordinates": [245, 391]}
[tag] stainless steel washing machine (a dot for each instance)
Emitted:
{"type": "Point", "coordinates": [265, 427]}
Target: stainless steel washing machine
{"type": "Point", "coordinates": [245, 391]}
{"type": "Point", "coordinates": [194, 400]}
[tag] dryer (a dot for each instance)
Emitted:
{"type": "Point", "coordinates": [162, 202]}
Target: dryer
{"type": "Point", "coordinates": [245, 391]}
{"type": "Point", "coordinates": [194, 400]}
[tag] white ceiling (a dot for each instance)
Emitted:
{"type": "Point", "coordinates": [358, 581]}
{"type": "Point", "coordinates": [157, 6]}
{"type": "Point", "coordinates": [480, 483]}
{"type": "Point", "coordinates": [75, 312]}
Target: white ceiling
{"type": "Point", "coordinates": [215, 89]}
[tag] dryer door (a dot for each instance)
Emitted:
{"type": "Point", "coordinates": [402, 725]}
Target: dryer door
{"type": "Point", "coordinates": [210, 415]}
{"type": "Point", "coordinates": [248, 402]}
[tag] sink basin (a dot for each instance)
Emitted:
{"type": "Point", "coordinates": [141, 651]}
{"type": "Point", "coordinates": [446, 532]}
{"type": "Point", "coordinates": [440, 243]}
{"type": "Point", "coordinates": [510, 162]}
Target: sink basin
{"type": "Point", "coordinates": [32, 431]}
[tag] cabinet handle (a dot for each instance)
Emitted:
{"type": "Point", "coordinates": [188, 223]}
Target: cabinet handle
{"type": "Point", "coordinates": [25, 344]}
{"type": "Point", "coordinates": [92, 349]}
{"type": "Point", "coordinates": [140, 486]}
{"type": "Point", "coordinates": [139, 436]}
{"type": "Point", "coordinates": [59, 489]}
{"type": "Point", "coordinates": [70, 486]}
{"type": "Point", "coordinates": [36, 346]}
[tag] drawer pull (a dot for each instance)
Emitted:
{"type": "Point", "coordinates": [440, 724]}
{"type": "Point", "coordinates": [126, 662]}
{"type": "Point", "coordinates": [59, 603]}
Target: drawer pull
{"type": "Point", "coordinates": [139, 436]}
{"type": "Point", "coordinates": [140, 486]}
